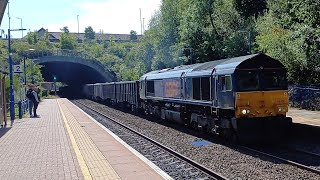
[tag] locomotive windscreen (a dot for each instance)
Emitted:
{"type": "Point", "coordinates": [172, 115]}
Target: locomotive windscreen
{"type": "Point", "coordinates": [274, 80]}
{"type": "Point", "coordinates": [261, 80]}
{"type": "Point", "coordinates": [247, 80]}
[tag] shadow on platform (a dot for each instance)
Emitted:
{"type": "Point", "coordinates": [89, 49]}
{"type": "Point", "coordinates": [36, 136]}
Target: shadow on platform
{"type": "Point", "coordinates": [4, 130]}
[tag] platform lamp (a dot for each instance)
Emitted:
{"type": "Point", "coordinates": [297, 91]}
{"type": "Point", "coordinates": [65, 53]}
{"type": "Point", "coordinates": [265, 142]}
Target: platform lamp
{"type": "Point", "coordinates": [249, 38]}
{"type": "Point", "coordinates": [25, 57]}
{"type": "Point", "coordinates": [12, 113]}
{"type": "Point", "coordinates": [55, 85]}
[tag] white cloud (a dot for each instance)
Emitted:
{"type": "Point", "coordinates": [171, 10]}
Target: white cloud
{"type": "Point", "coordinates": [112, 16]}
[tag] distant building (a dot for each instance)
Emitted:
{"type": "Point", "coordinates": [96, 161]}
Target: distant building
{"type": "Point", "coordinates": [55, 36]}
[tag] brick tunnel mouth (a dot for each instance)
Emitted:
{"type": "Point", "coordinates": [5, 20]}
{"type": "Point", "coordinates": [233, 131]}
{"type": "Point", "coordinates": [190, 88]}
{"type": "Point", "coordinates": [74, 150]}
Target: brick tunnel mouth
{"type": "Point", "coordinates": [74, 75]}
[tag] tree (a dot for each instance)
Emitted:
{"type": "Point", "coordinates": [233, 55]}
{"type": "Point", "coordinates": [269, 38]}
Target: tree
{"type": "Point", "coordinates": [67, 41]}
{"type": "Point", "coordinates": [65, 29]}
{"type": "Point", "coordinates": [89, 34]}
{"type": "Point", "coordinates": [32, 37]}
{"type": "Point", "coordinates": [101, 37]}
{"type": "Point", "coordinates": [133, 35]}
{"type": "Point", "coordinates": [289, 32]}
{"type": "Point", "coordinates": [249, 8]}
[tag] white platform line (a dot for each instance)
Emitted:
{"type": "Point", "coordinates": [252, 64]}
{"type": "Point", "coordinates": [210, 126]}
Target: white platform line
{"type": "Point", "coordinates": [135, 152]}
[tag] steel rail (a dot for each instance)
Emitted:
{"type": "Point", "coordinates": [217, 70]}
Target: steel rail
{"type": "Point", "coordinates": [305, 152]}
{"type": "Point", "coordinates": [301, 166]}
{"type": "Point", "coordinates": [195, 164]}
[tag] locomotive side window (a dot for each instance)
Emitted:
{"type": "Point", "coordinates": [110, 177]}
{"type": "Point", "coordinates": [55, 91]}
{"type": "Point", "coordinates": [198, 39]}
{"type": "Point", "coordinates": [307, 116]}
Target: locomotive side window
{"type": "Point", "coordinates": [188, 88]}
{"type": "Point", "coordinates": [201, 88]}
{"type": "Point", "coordinates": [196, 88]}
{"type": "Point", "coordinates": [226, 83]}
{"type": "Point", "coordinates": [205, 88]}
{"type": "Point", "coordinates": [150, 88]}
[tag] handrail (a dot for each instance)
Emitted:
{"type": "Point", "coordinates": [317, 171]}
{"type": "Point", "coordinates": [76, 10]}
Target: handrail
{"type": "Point", "coordinates": [34, 54]}
{"type": "Point", "coordinates": [57, 52]}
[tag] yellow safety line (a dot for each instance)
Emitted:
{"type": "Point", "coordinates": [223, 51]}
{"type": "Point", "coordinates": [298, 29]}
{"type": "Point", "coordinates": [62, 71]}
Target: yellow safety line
{"type": "Point", "coordinates": [83, 166]}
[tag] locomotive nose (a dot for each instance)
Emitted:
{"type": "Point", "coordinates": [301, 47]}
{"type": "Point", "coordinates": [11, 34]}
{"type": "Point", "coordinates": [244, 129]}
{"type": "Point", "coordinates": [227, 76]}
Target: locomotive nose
{"type": "Point", "coordinates": [261, 104]}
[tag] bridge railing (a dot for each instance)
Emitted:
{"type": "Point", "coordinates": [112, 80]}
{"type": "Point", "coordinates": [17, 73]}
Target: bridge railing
{"type": "Point", "coordinates": [57, 52]}
{"type": "Point", "coordinates": [306, 97]}
{"type": "Point", "coordinates": [36, 54]}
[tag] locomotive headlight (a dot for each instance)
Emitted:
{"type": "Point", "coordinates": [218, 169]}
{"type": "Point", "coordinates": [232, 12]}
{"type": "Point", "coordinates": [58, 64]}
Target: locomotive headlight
{"type": "Point", "coordinates": [281, 109]}
{"type": "Point", "coordinates": [245, 111]}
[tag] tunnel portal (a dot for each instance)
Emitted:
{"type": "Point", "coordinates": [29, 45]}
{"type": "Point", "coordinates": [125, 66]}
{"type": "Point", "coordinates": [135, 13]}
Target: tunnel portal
{"type": "Point", "coordinates": [74, 75]}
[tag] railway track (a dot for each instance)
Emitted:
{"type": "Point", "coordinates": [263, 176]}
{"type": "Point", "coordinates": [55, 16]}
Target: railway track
{"type": "Point", "coordinates": [172, 162]}
{"type": "Point", "coordinates": [307, 152]}
{"type": "Point", "coordinates": [293, 156]}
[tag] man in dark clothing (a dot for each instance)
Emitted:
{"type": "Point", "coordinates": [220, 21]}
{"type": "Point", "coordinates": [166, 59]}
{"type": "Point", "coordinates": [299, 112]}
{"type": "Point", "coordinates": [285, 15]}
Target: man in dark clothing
{"type": "Point", "coordinates": [30, 97]}
{"type": "Point", "coordinates": [34, 100]}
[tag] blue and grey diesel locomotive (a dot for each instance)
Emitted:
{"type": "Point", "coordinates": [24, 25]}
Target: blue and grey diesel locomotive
{"type": "Point", "coordinates": [231, 97]}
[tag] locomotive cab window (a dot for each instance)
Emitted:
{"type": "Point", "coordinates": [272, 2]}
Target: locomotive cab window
{"type": "Point", "coordinates": [226, 83]}
{"type": "Point", "coordinates": [274, 79]}
{"type": "Point", "coordinates": [247, 80]}
{"type": "Point", "coordinates": [150, 88]}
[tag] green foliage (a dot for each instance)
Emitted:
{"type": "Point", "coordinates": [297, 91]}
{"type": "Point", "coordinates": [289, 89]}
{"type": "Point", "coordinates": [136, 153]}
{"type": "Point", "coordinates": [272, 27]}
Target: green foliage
{"type": "Point", "coordinates": [32, 38]}
{"type": "Point", "coordinates": [133, 35]}
{"type": "Point", "coordinates": [67, 41]}
{"type": "Point", "coordinates": [290, 33]}
{"type": "Point", "coordinates": [248, 8]}
{"type": "Point", "coordinates": [211, 29]}
{"type": "Point", "coordinates": [101, 38]}
{"type": "Point", "coordinates": [89, 34]}
{"type": "Point", "coordinates": [65, 30]}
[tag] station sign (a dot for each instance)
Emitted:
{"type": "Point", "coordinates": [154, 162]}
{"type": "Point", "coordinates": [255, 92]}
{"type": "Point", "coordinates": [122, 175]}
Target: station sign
{"type": "Point", "coordinates": [17, 69]}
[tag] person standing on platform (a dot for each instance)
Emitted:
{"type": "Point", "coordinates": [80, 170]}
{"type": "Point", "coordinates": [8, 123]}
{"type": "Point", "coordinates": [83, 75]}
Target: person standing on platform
{"type": "Point", "coordinates": [36, 101]}
{"type": "Point", "coordinates": [30, 96]}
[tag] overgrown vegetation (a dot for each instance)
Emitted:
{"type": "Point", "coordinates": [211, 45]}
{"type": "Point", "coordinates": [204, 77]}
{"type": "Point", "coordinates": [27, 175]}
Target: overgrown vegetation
{"type": "Point", "coordinates": [206, 30]}
{"type": "Point", "coordinates": [216, 29]}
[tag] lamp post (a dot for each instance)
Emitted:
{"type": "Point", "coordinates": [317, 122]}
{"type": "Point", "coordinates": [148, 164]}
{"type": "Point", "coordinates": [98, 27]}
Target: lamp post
{"type": "Point", "coordinates": [249, 38]}
{"type": "Point", "coordinates": [78, 26]}
{"type": "Point", "coordinates": [32, 72]}
{"type": "Point", "coordinates": [12, 113]}
{"type": "Point", "coordinates": [11, 79]}
{"type": "Point", "coordinates": [21, 26]}
{"type": "Point", "coordinates": [55, 85]}
{"type": "Point", "coordinates": [188, 52]}
{"type": "Point", "coordinates": [25, 57]}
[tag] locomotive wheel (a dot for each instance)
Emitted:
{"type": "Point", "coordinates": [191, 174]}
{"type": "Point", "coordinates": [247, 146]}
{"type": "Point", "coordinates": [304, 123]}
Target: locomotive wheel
{"type": "Point", "coordinates": [194, 125]}
{"type": "Point", "coordinates": [230, 135]}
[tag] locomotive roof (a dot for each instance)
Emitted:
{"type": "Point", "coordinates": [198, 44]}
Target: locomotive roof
{"type": "Point", "coordinates": [226, 65]}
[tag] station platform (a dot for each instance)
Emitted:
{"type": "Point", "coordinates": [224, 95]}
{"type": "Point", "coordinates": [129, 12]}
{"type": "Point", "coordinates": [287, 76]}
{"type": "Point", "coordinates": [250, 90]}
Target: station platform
{"type": "Point", "coordinates": [301, 116]}
{"type": "Point", "coordinates": [66, 143]}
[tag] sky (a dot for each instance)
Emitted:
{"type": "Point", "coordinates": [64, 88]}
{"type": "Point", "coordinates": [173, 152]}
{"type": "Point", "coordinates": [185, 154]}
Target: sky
{"type": "Point", "coordinates": [109, 16]}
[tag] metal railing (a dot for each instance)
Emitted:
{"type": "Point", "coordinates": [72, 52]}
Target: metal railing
{"type": "Point", "coordinates": [306, 97]}
{"type": "Point", "coordinates": [23, 107]}
{"type": "Point", "coordinates": [35, 54]}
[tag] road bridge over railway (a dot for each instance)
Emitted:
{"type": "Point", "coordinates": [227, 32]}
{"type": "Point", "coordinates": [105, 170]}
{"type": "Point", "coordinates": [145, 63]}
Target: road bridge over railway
{"type": "Point", "coordinates": [70, 67]}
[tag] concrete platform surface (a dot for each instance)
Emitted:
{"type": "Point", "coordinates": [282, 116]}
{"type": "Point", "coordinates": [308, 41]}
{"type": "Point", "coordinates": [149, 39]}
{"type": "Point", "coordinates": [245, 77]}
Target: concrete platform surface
{"type": "Point", "coordinates": [66, 143]}
{"type": "Point", "coordinates": [304, 116]}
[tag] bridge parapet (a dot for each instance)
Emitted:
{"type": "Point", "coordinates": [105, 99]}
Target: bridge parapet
{"type": "Point", "coordinates": [69, 56]}
{"type": "Point", "coordinates": [34, 54]}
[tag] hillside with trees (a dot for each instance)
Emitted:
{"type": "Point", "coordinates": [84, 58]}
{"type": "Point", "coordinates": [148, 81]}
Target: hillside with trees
{"type": "Point", "coordinates": [206, 30]}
